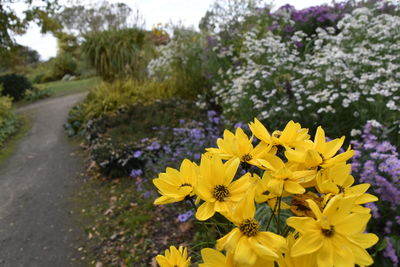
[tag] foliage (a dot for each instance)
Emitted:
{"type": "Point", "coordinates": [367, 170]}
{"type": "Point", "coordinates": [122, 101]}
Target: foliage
{"type": "Point", "coordinates": [112, 138]}
{"type": "Point", "coordinates": [84, 19]}
{"type": "Point", "coordinates": [110, 98]}
{"type": "Point", "coordinates": [15, 85]}
{"type": "Point", "coordinates": [36, 93]}
{"type": "Point", "coordinates": [18, 57]}
{"type": "Point", "coordinates": [180, 61]}
{"type": "Point", "coordinates": [63, 64]}
{"type": "Point", "coordinates": [10, 22]}
{"type": "Point", "coordinates": [118, 53]}
{"type": "Point", "coordinates": [8, 122]}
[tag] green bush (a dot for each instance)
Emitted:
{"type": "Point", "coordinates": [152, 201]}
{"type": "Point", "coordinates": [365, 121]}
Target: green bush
{"type": "Point", "coordinates": [37, 93]}
{"type": "Point", "coordinates": [8, 121]}
{"type": "Point", "coordinates": [108, 98]}
{"type": "Point", "coordinates": [15, 85]}
{"type": "Point", "coordinates": [118, 53]}
{"type": "Point", "coordinates": [182, 62]}
{"type": "Point", "coordinates": [63, 64]}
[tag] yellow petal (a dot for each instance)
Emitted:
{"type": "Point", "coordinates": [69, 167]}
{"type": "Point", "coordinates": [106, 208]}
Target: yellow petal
{"type": "Point", "coordinates": [352, 224]}
{"type": "Point", "coordinates": [244, 255]}
{"type": "Point", "coordinates": [325, 254]}
{"type": "Point", "coordinates": [212, 258]}
{"type": "Point", "coordinates": [364, 240]}
{"type": "Point", "coordinates": [293, 187]}
{"type": "Point", "coordinates": [303, 224]}
{"type": "Point", "coordinates": [307, 244]}
{"type": "Point", "coordinates": [205, 211]}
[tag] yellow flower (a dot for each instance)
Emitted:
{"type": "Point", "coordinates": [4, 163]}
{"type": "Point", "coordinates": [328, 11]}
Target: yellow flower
{"type": "Point", "coordinates": [319, 153]}
{"type": "Point", "coordinates": [338, 181]}
{"type": "Point", "coordinates": [214, 258]}
{"type": "Point", "coordinates": [216, 188]}
{"type": "Point", "coordinates": [262, 193]}
{"type": "Point", "coordinates": [301, 261]}
{"type": "Point", "coordinates": [336, 236]}
{"type": "Point", "coordinates": [246, 242]}
{"type": "Point", "coordinates": [259, 130]}
{"type": "Point", "coordinates": [291, 136]}
{"type": "Point", "coordinates": [239, 146]}
{"type": "Point", "coordinates": [280, 177]}
{"type": "Point", "coordinates": [174, 257]}
{"type": "Point", "coordinates": [174, 185]}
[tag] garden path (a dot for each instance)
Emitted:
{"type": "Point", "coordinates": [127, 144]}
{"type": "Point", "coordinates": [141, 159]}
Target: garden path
{"type": "Point", "coordinates": [36, 182]}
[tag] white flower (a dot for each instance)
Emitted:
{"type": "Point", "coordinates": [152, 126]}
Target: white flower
{"type": "Point", "coordinates": [355, 132]}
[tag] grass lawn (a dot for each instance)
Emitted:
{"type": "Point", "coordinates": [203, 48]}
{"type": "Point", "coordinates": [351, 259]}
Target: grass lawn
{"type": "Point", "coordinates": [61, 88]}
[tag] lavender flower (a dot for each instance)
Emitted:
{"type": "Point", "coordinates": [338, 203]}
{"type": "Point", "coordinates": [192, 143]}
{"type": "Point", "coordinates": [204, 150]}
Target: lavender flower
{"type": "Point", "coordinates": [136, 173]}
{"type": "Point", "coordinates": [137, 154]}
{"type": "Point", "coordinates": [184, 217]}
{"type": "Point", "coordinates": [390, 252]}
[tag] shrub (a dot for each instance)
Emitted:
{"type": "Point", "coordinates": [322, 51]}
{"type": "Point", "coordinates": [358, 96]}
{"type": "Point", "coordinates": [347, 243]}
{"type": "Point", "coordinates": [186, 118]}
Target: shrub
{"type": "Point", "coordinates": [63, 64]}
{"type": "Point", "coordinates": [350, 75]}
{"type": "Point", "coordinates": [180, 61]}
{"type": "Point", "coordinates": [8, 122]}
{"type": "Point", "coordinates": [118, 53]}
{"type": "Point", "coordinates": [36, 93]}
{"type": "Point", "coordinates": [15, 85]}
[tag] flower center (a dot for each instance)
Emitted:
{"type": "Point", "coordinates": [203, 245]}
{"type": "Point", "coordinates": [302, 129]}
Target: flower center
{"type": "Point", "coordinates": [328, 232]}
{"type": "Point", "coordinates": [247, 157]}
{"type": "Point", "coordinates": [249, 227]}
{"type": "Point", "coordinates": [221, 192]}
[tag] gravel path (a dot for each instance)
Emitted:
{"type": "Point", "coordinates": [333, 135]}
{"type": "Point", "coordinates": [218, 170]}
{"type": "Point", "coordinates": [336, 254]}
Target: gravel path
{"type": "Point", "coordinates": [36, 182]}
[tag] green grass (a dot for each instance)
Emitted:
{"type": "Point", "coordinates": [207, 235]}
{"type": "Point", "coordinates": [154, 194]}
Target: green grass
{"type": "Point", "coordinates": [61, 88]}
{"type": "Point", "coordinates": [24, 124]}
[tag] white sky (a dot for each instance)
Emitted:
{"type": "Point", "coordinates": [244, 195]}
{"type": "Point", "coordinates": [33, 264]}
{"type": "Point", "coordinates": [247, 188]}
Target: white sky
{"type": "Point", "coordinates": [189, 12]}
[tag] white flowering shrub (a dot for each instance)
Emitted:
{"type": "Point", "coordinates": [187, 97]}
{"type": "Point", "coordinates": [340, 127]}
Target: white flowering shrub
{"type": "Point", "coordinates": [352, 74]}
{"type": "Point", "coordinates": [180, 61]}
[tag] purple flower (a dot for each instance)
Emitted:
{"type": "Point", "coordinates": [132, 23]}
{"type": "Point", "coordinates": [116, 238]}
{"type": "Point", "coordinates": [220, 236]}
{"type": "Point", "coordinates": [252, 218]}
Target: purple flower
{"type": "Point", "coordinates": [147, 194]}
{"type": "Point", "coordinates": [374, 210]}
{"type": "Point", "coordinates": [298, 44]}
{"type": "Point", "coordinates": [238, 125]}
{"type": "Point", "coordinates": [154, 146]}
{"type": "Point", "coordinates": [211, 113]}
{"type": "Point", "coordinates": [137, 153]}
{"type": "Point", "coordinates": [390, 252]}
{"type": "Point", "coordinates": [184, 217]}
{"type": "Point", "coordinates": [136, 173]}
{"type": "Point", "coordinates": [388, 227]}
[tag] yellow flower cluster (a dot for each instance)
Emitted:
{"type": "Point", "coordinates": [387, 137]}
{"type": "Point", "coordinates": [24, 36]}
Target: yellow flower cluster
{"type": "Point", "coordinates": [284, 170]}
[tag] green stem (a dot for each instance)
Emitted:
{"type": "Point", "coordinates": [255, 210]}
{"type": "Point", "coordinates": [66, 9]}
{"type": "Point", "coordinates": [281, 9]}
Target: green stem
{"type": "Point", "coordinates": [279, 215]}
{"type": "Point", "coordinates": [193, 204]}
{"type": "Point", "coordinates": [272, 215]}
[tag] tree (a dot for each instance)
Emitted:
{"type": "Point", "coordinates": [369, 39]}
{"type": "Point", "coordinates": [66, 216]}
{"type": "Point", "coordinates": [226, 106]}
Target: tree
{"type": "Point", "coordinates": [82, 20]}
{"type": "Point", "coordinates": [13, 23]}
{"type": "Point", "coordinates": [18, 55]}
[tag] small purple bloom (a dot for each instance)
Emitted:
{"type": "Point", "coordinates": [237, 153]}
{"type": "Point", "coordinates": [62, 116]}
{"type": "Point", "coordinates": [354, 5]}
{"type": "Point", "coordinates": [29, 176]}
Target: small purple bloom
{"type": "Point", "coordinates": [136, 173]}
{"type": "Point", "coordinates": [137, 154]}
{"type": "Point", "coordinates": [184, 217]}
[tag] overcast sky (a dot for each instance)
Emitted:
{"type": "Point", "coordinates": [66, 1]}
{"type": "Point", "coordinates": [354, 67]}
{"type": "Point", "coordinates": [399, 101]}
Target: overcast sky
{"type": "Point", "coordinates": [189, 12]}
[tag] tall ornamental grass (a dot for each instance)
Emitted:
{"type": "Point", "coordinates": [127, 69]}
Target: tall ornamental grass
{"type": "Point", "coordinates": [118, 53]}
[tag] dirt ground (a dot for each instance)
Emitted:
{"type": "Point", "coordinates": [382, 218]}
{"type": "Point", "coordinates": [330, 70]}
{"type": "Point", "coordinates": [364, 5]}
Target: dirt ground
{"type": "Point", "coordinates": [37, 227]}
